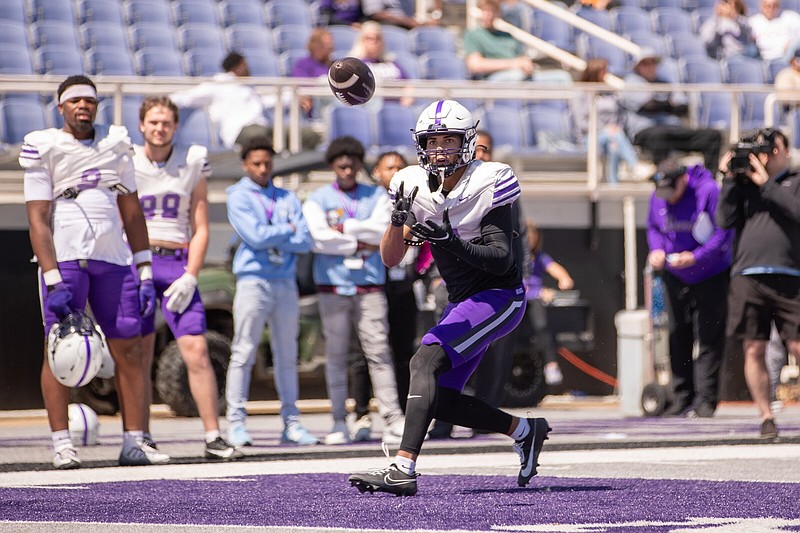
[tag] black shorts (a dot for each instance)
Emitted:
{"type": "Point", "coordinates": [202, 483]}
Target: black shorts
{"type": "Point", "coordinates": [757, 300]}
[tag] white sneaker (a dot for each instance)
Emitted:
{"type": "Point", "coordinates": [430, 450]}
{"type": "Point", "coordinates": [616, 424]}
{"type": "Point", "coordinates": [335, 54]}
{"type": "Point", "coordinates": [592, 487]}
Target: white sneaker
{"type": "Point", "coordinates": [150, 450]}
{"type": "Point", "coordinates": [339, 434]}
{"type": "Point", "coordinates": [393, 433]}
{"type": "Point", "coordinates": [66, 458]}
{"type": "Point", "coordinates": [362, 429]}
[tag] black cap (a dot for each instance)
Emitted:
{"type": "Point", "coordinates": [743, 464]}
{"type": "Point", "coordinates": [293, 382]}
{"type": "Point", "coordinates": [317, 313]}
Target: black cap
{"type": "Point", "coordinates": [666, 180]}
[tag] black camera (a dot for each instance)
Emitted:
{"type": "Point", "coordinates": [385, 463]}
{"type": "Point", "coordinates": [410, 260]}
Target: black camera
{"type": "Point", "coordinates": [762, 142]}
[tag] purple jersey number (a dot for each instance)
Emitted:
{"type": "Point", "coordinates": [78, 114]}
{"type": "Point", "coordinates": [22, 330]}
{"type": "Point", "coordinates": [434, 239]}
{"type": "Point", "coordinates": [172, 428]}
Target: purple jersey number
{"type": "Point", "coordinates": [89, 179]}
{"type": "Point", "coordinates": [169, 205]}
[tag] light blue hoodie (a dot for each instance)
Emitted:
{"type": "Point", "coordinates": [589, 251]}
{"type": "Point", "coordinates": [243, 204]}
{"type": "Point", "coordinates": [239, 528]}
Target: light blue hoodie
{"type": "Point", "coordinates": [263, 219]}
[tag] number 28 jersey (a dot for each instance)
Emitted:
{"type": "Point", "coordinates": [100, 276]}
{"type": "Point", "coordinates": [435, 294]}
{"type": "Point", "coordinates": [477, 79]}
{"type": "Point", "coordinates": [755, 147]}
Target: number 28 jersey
{"type": "Point", "coordinates": [165, 191]}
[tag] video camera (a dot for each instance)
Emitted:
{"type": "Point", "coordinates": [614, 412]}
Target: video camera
{"type": "Point", "coordinates": [761, 142]}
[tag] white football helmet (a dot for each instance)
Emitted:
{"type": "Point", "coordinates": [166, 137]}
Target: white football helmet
{"type": "Point", "coordinates": [446, 117]}
{"type": "Point", "coordinates": [83, 424]}
{"type": "Point", "coordinates": [107, 366]}
{"type": "Point", "coordinates": [75, 350]}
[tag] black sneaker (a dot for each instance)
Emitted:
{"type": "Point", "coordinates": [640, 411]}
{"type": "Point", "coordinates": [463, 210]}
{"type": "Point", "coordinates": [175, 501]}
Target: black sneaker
{"type": "Point", "coordinates": [390, 479]}
{"type": "Point", "coordinates": [221, 450]}
{"type": "Point", "coordinates": [768, 429]}
{"type": "Point", "coordinates": [529, 449]}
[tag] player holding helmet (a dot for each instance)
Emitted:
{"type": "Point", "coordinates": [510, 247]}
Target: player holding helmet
{"type": "Point", "coordinates": [80, 194]}
{"type": "Point", "coordinates": [463, 208]}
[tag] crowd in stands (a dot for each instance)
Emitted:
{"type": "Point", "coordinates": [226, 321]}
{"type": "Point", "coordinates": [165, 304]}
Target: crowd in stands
{"type": "Point", "coordinates": [696, 41]}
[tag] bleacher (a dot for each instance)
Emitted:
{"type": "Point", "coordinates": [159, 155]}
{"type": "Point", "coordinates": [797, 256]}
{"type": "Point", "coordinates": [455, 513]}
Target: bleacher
{"type": "Point", "coordinates": [185, 39]}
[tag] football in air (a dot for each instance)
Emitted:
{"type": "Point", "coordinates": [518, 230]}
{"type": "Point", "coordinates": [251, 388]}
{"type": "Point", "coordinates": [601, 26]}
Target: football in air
{"type": "Point", "coordinates": [351, 81]}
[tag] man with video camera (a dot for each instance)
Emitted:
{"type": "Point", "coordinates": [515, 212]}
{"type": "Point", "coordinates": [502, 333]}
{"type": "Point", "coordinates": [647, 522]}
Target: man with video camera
{"type": "Point", "coordinates": [760, 198]}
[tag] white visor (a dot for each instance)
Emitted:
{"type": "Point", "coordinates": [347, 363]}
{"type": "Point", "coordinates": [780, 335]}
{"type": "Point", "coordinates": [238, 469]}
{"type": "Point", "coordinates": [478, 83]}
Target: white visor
{"type": "Point", "coordinates": [78, 91]}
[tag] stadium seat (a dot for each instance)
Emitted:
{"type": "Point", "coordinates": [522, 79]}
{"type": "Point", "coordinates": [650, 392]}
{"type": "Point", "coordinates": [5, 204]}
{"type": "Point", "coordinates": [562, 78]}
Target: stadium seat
{"type": "Point", "coordinates": [263, 63]}
{"type": "Point", "coordinates": [554, 31]}
{"type": "Point", "coordinates": [668, 20]}
{"type": "Point", "coordinates": [194, 12]}
{"type": "Point", "coordinates": [292, 37]}
{"type": "Point", "coordinates": [15, 59]}
{"type": "Point", "coordinates": [702, 4]}
{"type": "Point", "coordinates": [741, 69]}
{"type": "Point", "coordinates": [442, 66]}
{"type": "Point", "coordinates": [130, 115]}
{"type": "Point", "coordinates": [54, 118]}
{"type": "Point", "coordinates": [244, 37]}
{"type": "Point", "coordinates": [13, 10]}
{"type": "Point", "coordinates": [773, 67]}
{"type": "Point", "coordinates": [396, 39]}
{"type": "Point", "coordinates": [599, 17]}
{"type": "Point", "coordinates": [109, 61]}
{"type": "Point", "coordinates": [409, 63]}
{"type": "Point", "coordinates": [13, 33]}
{"type": "Point", "coordinates": [196, 128]}
{"type": "Point", "coordinates": [699, 70]}
{"type": "Point", "coordinates": [669, 71]}
{"type": "Point", "coordinates": [394, 123]}
{"type": "Point", "coordinates": [51, 10]}
{"type": "Point", "coordinates": [54, 33]}
{"type": "Point", "coordinates": [344, 37]}
{"type": "Point", "coordinates": [699, 16]}
{"type": "Point", "coordinates": [715, 110]}
{"type": "Point", "coordinates": [99, 10]}
{"type": "Point", "coordinates": [508, 128]}
{"type": "Point", "coordinates": [155, 61]}
{"type": "Point", "coordinates": [630, 18]}
{"type": "Point", "coordinates": [282, 12]}
{"type": "Point", "coordinates": [241, 12]}
{"type": "Point", "coordinates": [197, 35]}
{"type": "Point", "coordinates": [650, 40]}
{"type": "Point", "coordinates": [790, 5]}
{"type": "Point", "coordinates": [426, 39]}
{"type": "Point", "coordinates": [550, 129]}
{"type": "Point", "coordinates": [105, 34]}
{"type": "Point", "coordinates": [353, 121]}
{"type": "Point", "coordinates": [20, 116]}
{"type": "Point", "coordinates": [60, 60]}
{"type": "Point", "coordinates": [154, 11]}
{"type": "Point", "coordinates": [289, 58]}
{"type": "Point", "coordinates": [651, 5]}
{"type": "Point", "coordinates": [151, 35]}
{"type": "Point", "coordinates": [203, 61]}
{"type": "Point", "coordinates": [683, 44]}
{"type": "Point", "coordinates": [589, 47]}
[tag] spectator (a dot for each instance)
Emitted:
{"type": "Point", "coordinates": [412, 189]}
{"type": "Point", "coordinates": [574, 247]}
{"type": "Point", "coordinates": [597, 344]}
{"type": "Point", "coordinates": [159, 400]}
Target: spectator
{"type": "Point", "coordinates": [347, 12]}
{"type": "Point", "coordinates": [695, 255]}
{"type": "Point", "coordinates": [775, 31]}
{"type": "Point", "coordinates": [654, 119]}
{"type": "Point", "coordinates": [763, 204]}
{"type": "Point", "coordinates": [788, 80]}
{"type": "Point", "coordinates": [369, 47]}
{"type": "Point", "coordinates": [234, 107]}
{"type": "Point", "coordinates": [270, 223]}
{"type": "Point", "coordinates": [727, 34]}
{"type": "Point", "coordinates": [538, 296]}
{"type": "Point", "coordinates": [402, 317]}
{"type": "Point", "coordinates": [612, 141]}
{"type": "Point", "coordinates": [315, 65]}
{"type": "Point", "coordinates": [77, 225]}
{"type": "Point", "coordinates": [392, 12]}
{"type": "Point", "coordinates": [346, 220]}
{"type": "Point", "coordinates": [171, 181]}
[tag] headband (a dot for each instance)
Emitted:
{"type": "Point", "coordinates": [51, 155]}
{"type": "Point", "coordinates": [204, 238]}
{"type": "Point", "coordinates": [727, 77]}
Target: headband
{"type": "Point", "coordinates": [78, 91]}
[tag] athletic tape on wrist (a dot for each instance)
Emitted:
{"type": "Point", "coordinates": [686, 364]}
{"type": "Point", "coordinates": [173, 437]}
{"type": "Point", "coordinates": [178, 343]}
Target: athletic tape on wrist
{"type": "Point", "coordinates": [52, 277]}
{"type": "Point", "coordinates": [145, 272]}
{"type": "Point", "coordinates": [142, 256]}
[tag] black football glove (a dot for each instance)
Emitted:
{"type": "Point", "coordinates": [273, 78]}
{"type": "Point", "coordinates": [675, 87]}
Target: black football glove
{"type": "Point", "coordinates": [402, 206]}
{"type": "Point", "coordinates": [434, 233]}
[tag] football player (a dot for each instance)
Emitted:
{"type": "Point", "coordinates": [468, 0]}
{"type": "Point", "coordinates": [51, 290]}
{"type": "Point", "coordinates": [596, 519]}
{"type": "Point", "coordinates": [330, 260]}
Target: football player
{"type": "Point", "coordinates": [171, 180]}
{"type": "Point", "coordinates": [80, 194]}
{"type": "Point", "coordinates": [463, 208]}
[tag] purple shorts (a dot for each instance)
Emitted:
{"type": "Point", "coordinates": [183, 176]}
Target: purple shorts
{"type": "Point", "coordinates": [192, 321]}
{"type": "Point", "coordinates": [467, 328]}
{"type": "Point", "coordinates": [110, 290]}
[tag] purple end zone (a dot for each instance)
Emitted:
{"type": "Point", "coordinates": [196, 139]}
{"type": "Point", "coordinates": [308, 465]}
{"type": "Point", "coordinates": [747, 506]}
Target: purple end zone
{"type": "Point", "coordinates": [443, 502]}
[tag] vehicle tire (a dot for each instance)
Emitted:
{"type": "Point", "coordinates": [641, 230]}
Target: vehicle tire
{"type": "Point", "coordinates": [172, 380]}
{"type": "Point", "coordinates": [654, 399]}
{"type": "Point", "coordinates": [99, 394]}
{"type": "Point", "coordinates": [525, 386]}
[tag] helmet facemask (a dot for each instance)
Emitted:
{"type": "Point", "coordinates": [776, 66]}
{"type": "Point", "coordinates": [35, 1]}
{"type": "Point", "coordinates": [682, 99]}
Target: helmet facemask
{"type": "Point", "coordinates": [445, 117]}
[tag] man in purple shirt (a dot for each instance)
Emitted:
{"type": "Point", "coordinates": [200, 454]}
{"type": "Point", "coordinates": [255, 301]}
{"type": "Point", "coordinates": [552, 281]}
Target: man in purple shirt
{"type": "Point", "coordinates": [695, 256]}
{"type": "Point", "coordinates": [314, 65]}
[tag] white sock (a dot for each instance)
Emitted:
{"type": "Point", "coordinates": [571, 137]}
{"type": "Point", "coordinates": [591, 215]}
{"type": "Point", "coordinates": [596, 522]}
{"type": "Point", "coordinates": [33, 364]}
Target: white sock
{"type": "Point", "coordinates": [132, 438]}
{"type": "Point", "coordinates": [212, 435]}
{"type": "Point", "coordinates": [61, 439]}
{"type": "Point", "coordinates": [522, 429]}
{"type": "Point", "coordinates": [404, 464]}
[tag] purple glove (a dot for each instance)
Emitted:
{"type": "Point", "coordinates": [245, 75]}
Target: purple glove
{"type": "Point", "coordinates": [147, 297]}
{"type": "Point", "coordinates": [58, 300]}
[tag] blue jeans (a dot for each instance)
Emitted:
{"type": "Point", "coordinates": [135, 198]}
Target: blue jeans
{"type": "Point", "coordinates": [259, 302]}
{"type": "Point", "coordinates": [616, 147]}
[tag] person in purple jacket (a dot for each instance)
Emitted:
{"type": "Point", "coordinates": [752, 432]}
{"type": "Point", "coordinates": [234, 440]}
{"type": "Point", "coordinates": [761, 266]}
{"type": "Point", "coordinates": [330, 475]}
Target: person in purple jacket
{"type": "Point", "coordinates": [314, 65]}
{"type": "Point", "coordinates": [695, 255]}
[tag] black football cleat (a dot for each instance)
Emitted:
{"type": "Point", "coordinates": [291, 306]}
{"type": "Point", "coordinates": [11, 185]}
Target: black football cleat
{"type": "Point", "coordinates": [390, 479]}
{"type": "Point", "coordinates": [529, 449]}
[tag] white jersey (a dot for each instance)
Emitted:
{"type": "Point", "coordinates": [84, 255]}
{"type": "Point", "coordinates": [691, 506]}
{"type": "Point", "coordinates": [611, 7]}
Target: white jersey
{"type": "Point", "coordinates": [165, 192]}
{"type": "Point", "coordinates": [83, 181]}
{"type": "Point", "coordinates": [483, 187]}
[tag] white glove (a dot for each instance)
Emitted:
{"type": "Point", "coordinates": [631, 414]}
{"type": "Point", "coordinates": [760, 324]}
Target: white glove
{"type": "Point", "coordinates": [180, 293]}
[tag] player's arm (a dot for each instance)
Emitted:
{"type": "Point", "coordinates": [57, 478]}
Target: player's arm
{"type": "Point", "coordinates": [393, 247]}
{"type": "Point", "coordinates": [198, 245]}
{"type": "Point", "coordinates": [41, 233]}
